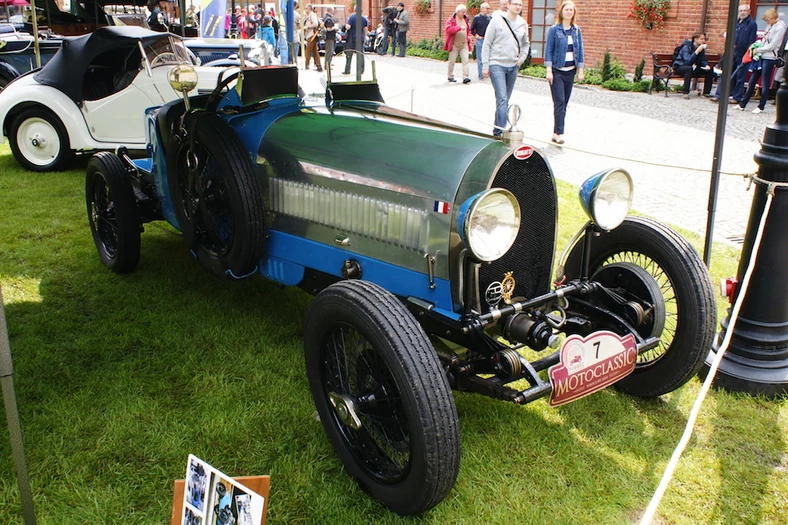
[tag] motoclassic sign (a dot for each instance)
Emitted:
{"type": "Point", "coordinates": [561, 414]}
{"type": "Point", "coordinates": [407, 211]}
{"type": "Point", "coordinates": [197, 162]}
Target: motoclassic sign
{"type": "Point", "coordinates": [590, 364]}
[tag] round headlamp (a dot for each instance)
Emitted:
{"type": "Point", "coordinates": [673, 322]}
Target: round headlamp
{"type": "Point", "coordinates": [489, 222]}
{"type": "Point", "coordinates": [607, 197]}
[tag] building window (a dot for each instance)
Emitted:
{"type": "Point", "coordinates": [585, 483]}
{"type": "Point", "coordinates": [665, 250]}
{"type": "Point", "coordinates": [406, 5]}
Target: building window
{"type": "Point", "coordinates": [541, 18]}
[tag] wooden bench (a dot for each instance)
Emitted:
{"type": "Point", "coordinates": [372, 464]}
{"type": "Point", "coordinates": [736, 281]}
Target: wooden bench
{"type": "Point", "coordinates": [663, 68]}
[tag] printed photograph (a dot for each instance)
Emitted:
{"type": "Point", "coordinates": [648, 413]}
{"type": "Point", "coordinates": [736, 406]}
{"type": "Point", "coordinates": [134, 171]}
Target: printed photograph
{"type": "Point", "coordinates": [196, 484]}
{"type": "Point", "coordinates": [190, 518]}
{"type": "Point", "coordinates": [243, 502]}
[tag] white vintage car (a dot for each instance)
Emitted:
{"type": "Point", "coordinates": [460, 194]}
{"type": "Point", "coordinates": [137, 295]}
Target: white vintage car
{"type": "Point", "coordinates": [92, 95]}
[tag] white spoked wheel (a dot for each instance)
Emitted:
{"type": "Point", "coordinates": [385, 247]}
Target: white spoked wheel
{"type": "Point", "coordinates": [39, 141]}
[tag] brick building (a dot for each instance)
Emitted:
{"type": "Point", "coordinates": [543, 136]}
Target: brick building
{"type": "Point", "coordinates": [605, 25]}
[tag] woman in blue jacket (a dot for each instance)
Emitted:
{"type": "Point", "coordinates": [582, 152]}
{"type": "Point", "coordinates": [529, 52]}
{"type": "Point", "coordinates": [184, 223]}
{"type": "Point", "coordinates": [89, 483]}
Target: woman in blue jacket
{"type": "Point", "coordinates": [563, 59]}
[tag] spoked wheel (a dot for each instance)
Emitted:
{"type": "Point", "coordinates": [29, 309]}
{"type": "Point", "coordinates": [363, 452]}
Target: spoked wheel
{"type": "Point", "coordinates": [675, 281]}
{"type": "Point", "coordinates": [382, 396]}
{"type": "Point", "coordinates": [112, 212]}
{"type": "Point", "coordinates": [39, 141]}
{"type": "Point", "coordinates": [216, 196]}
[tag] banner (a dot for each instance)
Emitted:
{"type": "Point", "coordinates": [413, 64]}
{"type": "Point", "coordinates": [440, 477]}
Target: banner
{"type": "Point", "coordinates": [212, 19]}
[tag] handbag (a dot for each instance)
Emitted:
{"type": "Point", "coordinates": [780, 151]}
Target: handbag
{"type": "Point", "coordinates": [747, 58]}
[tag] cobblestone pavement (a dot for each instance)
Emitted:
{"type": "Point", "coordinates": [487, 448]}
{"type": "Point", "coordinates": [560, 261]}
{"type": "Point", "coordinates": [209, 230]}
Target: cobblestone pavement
{"type": "Point", "coordinates": [666, 143]}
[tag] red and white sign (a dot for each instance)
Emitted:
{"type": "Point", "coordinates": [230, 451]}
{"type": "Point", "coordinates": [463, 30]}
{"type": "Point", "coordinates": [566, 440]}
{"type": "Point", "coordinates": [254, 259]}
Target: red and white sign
{"type": "Point", "coordinates": [590, 364]}
{"type": "Point", "coordinates": [523, 152]}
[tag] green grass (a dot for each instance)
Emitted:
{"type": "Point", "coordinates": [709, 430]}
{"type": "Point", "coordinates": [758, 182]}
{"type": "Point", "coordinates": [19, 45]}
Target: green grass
{"type": "Point", "coordinates": [120, 377]}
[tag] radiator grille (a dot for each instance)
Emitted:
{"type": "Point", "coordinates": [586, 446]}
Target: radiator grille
{"type": "Point", "coordinates": [377, 219]}
{"type": "Point", "coordinates": [531, 257]}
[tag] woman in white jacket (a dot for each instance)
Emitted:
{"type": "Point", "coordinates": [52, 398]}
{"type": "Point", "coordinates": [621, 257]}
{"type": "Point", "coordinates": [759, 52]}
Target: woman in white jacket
{"type": "Point", "coordinates": [505, 49]}
{"type": "Point", "coordinates": [770, 46]}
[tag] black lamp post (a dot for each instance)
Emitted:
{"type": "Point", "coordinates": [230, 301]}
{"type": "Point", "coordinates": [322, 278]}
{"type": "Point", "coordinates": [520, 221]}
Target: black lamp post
{"type": "Point", "coordinates": [757, 360]}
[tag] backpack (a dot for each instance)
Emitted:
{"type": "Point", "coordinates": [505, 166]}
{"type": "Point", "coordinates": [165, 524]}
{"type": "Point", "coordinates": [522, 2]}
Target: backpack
{"type": "Point", "coordinates": [676, 52]}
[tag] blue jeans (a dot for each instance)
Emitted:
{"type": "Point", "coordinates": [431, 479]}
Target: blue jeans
{"type": "Point", "coordinates": [766, 73]}
{"type": "Point", "coordinates": [561, 89]}
{"type": "Point", "coordinates": [479, 45]}
{"type": "Point", "coordinates": [503, 79]}
{"type": "Point", "coordinates": [734, 81]}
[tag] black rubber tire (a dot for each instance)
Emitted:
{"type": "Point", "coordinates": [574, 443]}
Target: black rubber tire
{"type": "Point", "coordinates": [112, 212]}
{"type": "Point", "coordinates": [398, 358]}
{"type": "Point", "coordinates": [691, 311]}
{"type": "Point", "coordinates": [64, 154]}
{"type": "Point", "coordinates": [221, 216]}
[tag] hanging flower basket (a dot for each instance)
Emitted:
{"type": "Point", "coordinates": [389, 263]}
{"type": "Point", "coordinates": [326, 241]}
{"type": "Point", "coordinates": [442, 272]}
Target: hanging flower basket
{"type": "Point", "coordinates": [650, 13]}
{"type": "Point", "coordinates": [423, 7]}
{"type": "Point", "coordinates": [473, 7]}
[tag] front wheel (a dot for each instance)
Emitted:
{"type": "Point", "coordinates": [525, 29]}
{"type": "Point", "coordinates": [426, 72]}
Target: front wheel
{"type": "Point", "coordinates": [686, 310]}
{"type": "Point", "coordinates": [216, 196]}
{"type": "Point", "coordinates": [112, 213]}
{"type": "Point", "coordinates": [39, 141]}
{"type": "Point", "coordinates": [382, 396]}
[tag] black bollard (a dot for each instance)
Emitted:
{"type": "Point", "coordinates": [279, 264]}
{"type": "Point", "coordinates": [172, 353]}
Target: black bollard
{"type": "Point", "coordinates": [757, 360]}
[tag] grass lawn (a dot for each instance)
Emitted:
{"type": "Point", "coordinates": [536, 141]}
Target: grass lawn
{"type": "Point", "coordinates": [119, 378]}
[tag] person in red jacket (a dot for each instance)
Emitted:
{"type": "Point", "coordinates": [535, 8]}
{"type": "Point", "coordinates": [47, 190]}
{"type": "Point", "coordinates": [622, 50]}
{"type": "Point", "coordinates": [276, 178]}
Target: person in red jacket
{"type": "Point", "coordinates": [458, 40]}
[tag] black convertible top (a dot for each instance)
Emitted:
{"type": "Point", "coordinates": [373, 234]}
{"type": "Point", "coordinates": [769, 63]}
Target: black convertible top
{"type": "Point", "coordinates": [66, 71]}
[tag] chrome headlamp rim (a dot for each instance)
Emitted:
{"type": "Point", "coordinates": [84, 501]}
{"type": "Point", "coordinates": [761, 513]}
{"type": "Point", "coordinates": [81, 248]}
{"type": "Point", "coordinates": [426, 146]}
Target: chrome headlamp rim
{"type": "Point", "coordinates": [469, 211]}
{"type": "Point", "coordinates": [600, 188]}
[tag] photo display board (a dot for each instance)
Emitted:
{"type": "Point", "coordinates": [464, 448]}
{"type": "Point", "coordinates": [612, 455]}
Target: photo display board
{"type": "Point", "coordinates": [213, 498]}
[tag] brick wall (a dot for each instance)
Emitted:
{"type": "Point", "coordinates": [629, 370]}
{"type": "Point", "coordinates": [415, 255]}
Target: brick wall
{"type": "Point", "coordinates": [605, 25]}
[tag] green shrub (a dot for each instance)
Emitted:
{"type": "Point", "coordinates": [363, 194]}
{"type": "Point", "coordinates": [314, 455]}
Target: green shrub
{"type": "Point", "coordinates": [641, 86]}
{"type": "Point", "coordinates": [617, 84]}
{"type": "Point", "coordinates": [606, 68]}
{"type": "Point", "coordinates": [593, 76]}
{"type": "Point", "coordinates": [611, 68]}
{"type": "Point", "coordinates": [639, 70]}
{"type": "Point", "coordinates": [534, 70]}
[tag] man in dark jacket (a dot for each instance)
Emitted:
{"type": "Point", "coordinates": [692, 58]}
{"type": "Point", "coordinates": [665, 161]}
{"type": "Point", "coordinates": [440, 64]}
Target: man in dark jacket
{"type": "Point", "coordinates": [478, 28]}
{"type": "Point", "coordinates": [691, 62]}
{"type": "Point", "coordinates": [350, 41]}
{"type": "Point", "coordinates": [746, 34]}
{"type": "Point", "coordinates": [389, 29]}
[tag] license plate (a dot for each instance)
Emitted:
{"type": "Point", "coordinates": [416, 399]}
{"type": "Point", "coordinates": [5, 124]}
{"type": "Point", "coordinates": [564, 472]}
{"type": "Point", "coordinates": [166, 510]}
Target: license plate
{"type": "Point", "coordinates": [590, 364]}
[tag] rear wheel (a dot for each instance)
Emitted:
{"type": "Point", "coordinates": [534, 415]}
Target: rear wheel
{"type": "Point", "coordinates": [39, 141]}
{"type": "Point", "coordinates": [382, 396]}
{"type": "Point", "coordinates": [685, 314]}
{"type": "Point", "coordinates": [216, 196]}
{"type": "Point", "coordinates": [112, 213]}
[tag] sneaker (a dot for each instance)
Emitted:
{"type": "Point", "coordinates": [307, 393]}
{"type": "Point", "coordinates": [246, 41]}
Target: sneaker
{"type": "Point", "coordinates": [714, 99]}
{"type": "Point", "coordinates": [732, 101]}
{"type": "Point", "coordinates": [466, 80]}
{"type": "Point", "coordinates": [740, 108]}
{"type": "Point", "coordinates": [756, 110]}
{"type": "Point", "coordinates": [452, 79]}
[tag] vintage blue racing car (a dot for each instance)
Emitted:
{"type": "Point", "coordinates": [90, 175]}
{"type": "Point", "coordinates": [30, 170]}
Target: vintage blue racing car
{"type": "Point", "coordinates": [431, 270]}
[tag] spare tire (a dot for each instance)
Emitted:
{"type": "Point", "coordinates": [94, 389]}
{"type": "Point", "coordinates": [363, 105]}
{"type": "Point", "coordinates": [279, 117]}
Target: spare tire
{"type": "Point", "coordinates": [216, 197]}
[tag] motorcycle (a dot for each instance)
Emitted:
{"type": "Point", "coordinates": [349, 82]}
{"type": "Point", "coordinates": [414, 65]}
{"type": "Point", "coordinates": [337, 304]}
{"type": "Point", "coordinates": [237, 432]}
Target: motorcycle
{"type": "Point", "coordinates": [374, 40]}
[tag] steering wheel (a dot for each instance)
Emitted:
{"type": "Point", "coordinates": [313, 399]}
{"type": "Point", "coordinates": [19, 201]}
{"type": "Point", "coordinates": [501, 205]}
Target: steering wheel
{"type": "Point", "coordinates": [216, 95]}
{"type": "Point", "coordinates": [163, 58]}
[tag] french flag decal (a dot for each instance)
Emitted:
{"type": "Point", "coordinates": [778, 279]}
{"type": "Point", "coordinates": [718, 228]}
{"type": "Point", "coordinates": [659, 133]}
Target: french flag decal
{"type": "Point", "coordinates": [441, 207]}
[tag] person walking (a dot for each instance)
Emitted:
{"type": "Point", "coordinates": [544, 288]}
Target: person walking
{"type": "Point", "coordinates": [331, 34]}
{"type": "Point", "coordinates": [478, 28]}
{"type": "Point", "coordinates": [763, 68]}
{"type": "Point", "coordinates": [745, 36]}
{"type": "Point", "coordinates": [311, 28]}
{"type": "Point", "coordinates": [458, 41]}
{"type": "Point", "coordinates": [691, 62]}
{"type": "Point", "coordinates": [350, 41]}
{"type": "Point", "coordinates": [505, 49]}
{"type": "Point", "coordinates": [563, 59]}
{"type": "Point", "coordinates": [403, 25]}
{"type": "Point", "coordinates": [266, 33]}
